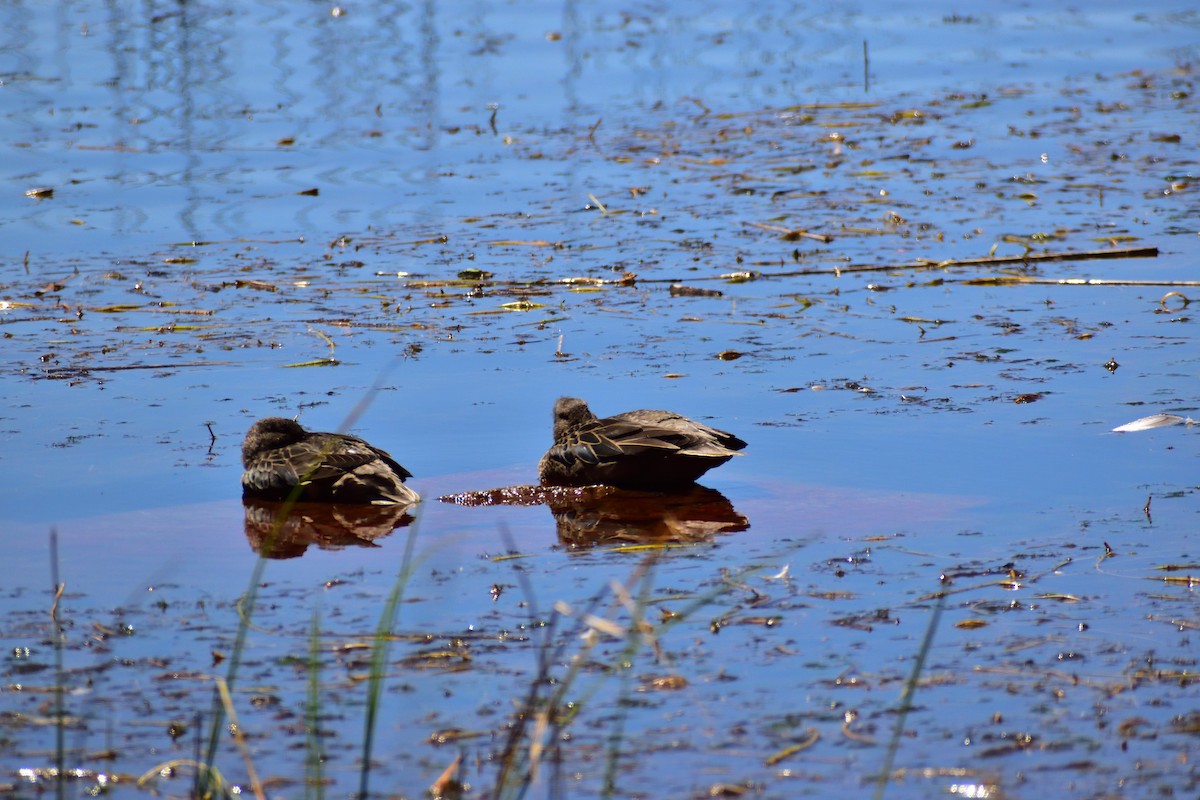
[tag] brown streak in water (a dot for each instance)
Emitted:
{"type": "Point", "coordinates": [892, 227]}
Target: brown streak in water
{"type": "Point", "coordinates": [53, 372]}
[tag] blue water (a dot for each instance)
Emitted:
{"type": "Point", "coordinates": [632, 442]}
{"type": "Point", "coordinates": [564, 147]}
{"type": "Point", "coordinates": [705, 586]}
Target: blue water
{"type": "Point", "coordinates": [164, 124]}
{"type": "Point", "coordinates": [543, 142]}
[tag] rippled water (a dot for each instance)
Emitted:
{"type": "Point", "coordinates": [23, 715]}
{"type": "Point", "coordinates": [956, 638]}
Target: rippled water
{"type": "Point", "coordinates": [231, 195]}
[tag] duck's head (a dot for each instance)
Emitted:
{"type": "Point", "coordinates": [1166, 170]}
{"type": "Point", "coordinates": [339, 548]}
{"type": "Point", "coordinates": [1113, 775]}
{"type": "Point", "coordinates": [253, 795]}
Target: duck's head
{"type": "Point", "coordinates": [569, 414]}
{"type": "Point", "coordinates": [269, 434]}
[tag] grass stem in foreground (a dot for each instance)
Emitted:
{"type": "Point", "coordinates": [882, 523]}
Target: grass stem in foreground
{"type": "Point", "coordinates": [910, 689]}
{"type": "Point", "coordinates": [314, 787]}
{"type": "Point", "coordinates": [239, 739]}
{"type": "Point", "coordinates": [638, 632]}
{"type": "Point", "coordinates": [379, 657]}
{"type": "Point", "coordinates": [60, 711]}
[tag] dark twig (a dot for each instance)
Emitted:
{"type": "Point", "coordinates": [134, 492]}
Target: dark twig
{"type": "Point", "coordinates": [866, 67]}
{"type": "Point", "coordinates": [60, 371]}
{"type": "Point", "coordinates": [742, 276]}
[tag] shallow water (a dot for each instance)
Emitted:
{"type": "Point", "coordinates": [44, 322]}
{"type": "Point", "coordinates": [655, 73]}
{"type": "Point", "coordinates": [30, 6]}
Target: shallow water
{"type": "Point", "coordinates": [183, 279]}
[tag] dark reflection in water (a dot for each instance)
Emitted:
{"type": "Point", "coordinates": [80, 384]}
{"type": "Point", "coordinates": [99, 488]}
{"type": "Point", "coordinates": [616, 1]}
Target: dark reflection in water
{"type": "Point", "coordinates": [587, 516]}
{"type": "Point", "coordinates": [277, 530]}
{"type": "Point", "coordinates": [630, 517]}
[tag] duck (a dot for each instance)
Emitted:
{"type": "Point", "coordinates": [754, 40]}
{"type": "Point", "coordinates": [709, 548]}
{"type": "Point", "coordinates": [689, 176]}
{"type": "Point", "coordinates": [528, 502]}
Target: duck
{"type": "Point", "coordinates": [643, 449]}
{"type": "Point", "coordinates": [279, 455]}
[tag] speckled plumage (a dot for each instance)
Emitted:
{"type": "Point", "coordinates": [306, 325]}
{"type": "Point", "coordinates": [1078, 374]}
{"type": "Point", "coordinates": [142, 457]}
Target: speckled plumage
{"type": "Point", "coordinates": [278, 455]}
{"type": "Point", "coordinates": [645, 449]}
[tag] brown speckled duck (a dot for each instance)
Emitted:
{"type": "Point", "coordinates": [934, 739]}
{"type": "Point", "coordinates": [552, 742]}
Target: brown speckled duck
{"type": "Point", "coordinates": [278, 455]}
{"type": "Point", "coordinates": [643, 449]}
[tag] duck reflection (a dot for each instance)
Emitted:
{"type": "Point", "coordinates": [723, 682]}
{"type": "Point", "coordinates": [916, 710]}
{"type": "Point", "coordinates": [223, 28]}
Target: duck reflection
{"type": "Point", "coordinates": [588, 516]}
{"type": "Point", "coordinates": [626, 516]}
{"type": "Point", "coordinates": [276, 529]}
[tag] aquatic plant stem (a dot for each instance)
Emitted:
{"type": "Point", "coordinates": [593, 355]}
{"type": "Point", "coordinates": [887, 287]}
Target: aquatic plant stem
{"type": "Point", "coordinates": [379, 657]}
{"type": "Point", "coordinates": [60, 714]}
{"type": "Point", "coordinates": [543, 719]}
{"type": "Point", "coordinates": [843, 269]}
{"type": "Point", "coordinates": [910, 689]}
{"type": "Point", "coordinates": [633, 643]}
{"type": "Point", "coordinates": [245, 612]}
{"type": "Point", "coordinates": [198, 719]}
{"type": "Point", "coordinates": [544, 648]}
{"type": "Point", "coordinates": [212, 776]}
{"type": "Point", "coordinates": [533, 709]}
{"type": "Point", "coordinates": [368, 397]}
{"type": "Point", "coordinates": [240, 740]}
{"type": "Point", "coordinates": [866, 67]}
{"type": "Point", "coordinates": [314, 786]}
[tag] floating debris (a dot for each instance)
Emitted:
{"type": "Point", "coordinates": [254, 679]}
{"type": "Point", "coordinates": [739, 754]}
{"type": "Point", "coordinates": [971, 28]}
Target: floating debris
{"type": "Point", "coordinates": [680, 290]}
{"type": "Point", "coordinates": [1153, 421]}
{"type": "Point", "coordinates": [474, 274]}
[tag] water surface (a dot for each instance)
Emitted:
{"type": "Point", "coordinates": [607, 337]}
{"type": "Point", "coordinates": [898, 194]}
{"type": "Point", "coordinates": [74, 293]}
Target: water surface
{"type": "Point", "coordinates": [427, 222]}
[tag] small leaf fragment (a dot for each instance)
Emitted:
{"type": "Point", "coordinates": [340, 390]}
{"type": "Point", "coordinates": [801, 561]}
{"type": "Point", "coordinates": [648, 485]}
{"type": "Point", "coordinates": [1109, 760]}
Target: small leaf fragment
{"type": "Point", "coordinates": [971, 624]}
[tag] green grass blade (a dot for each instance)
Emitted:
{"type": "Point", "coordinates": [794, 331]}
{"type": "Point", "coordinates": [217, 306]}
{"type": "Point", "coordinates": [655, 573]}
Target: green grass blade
{"type": "Point", "coordinates": [906, 705]}
{"type": "Point", "coordinates": [314, 785]}
{"type": "Point", "coordinates": [379, 658]}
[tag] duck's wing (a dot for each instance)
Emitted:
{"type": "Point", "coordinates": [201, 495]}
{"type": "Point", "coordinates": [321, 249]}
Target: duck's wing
{"type": "Point", "coordinates": [609, 440]}
{"type": "Point", "coordinates": [386, 458]}
{"type": "Point", "coordinates": [693, 438]}
{"type": "Point", "coordinates": [320, 457]}
{"type": "Point", "coordinates": [329, 455]}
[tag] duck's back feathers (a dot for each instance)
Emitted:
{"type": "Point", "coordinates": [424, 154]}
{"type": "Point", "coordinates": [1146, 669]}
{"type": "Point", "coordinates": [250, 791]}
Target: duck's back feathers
{"type": "Point", "coordinates": [639, 449]}
{"type": "Point", "coordinates": [691, 437]}
{"type": "Point", "coordinates": [278, 455]}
